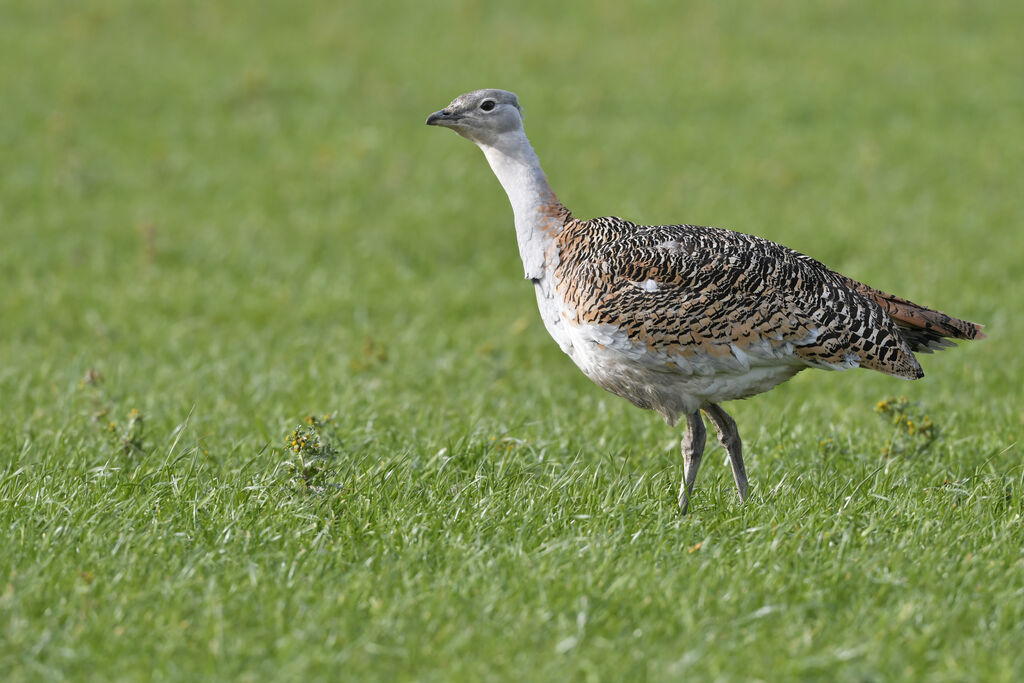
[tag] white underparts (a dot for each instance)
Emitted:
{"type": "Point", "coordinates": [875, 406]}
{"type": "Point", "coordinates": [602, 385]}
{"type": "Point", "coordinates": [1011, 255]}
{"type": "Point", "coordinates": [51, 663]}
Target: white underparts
{"type": "Point", "coordinates": [675, 383]}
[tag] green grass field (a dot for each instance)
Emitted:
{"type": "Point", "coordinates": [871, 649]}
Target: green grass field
{"type": "Point", "coordinates": [218, 219]}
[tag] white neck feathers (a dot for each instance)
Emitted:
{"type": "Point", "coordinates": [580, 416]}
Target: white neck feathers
{"type": "Point", "coordinates": [534, 205]}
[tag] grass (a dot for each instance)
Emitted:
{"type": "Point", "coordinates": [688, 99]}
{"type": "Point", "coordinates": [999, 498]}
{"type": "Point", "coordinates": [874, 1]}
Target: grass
{"type": "Point", "coordinates": [218, 220]}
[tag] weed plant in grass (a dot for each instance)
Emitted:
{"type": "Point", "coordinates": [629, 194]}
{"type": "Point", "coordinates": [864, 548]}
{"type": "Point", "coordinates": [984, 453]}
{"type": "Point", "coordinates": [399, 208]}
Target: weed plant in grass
{"type": "Point", "coordinates": [219, 219]}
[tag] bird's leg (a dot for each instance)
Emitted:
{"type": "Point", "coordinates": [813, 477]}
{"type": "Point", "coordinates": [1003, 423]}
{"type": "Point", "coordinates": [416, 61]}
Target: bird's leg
{"type": "Point", "coordinates": [693, 450]}
{"type": "Point", "coordinates": [729, 437]}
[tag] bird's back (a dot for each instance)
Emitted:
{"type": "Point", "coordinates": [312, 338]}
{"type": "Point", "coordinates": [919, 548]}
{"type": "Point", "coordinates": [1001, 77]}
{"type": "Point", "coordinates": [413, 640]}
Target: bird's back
{"type": "Point", "coordinates": [685, 291]}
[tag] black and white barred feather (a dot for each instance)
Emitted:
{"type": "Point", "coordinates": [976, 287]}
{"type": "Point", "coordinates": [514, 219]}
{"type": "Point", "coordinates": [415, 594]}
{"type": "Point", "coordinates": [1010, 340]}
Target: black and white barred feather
{"type": "Point", "coordinates": [685, 289]}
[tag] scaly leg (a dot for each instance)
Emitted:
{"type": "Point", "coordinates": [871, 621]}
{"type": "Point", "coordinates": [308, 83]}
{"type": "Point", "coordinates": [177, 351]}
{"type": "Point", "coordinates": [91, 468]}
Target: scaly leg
{"type": "Point", "coordinates": [693, 450]}
{"type": "Point", "coordinates": [730, 439]}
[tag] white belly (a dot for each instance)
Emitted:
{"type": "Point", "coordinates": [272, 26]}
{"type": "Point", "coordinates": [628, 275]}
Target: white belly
{"type": "Point", "coordinates": [672, 384]}
{"type": "Point", "coordinates": [674, 388]}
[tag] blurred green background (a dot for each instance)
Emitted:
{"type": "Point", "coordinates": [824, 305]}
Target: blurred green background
{"type": "Point", "coordinates": [233, 215]}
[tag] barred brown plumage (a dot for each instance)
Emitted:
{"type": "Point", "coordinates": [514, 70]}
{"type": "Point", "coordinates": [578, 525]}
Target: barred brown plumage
{"type": "Point", "coordinates": [678, 318]}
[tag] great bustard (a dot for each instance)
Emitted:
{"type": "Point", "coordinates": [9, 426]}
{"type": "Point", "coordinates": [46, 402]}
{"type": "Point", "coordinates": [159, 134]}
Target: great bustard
{"type": "Point", "coordinates": [678, 318]}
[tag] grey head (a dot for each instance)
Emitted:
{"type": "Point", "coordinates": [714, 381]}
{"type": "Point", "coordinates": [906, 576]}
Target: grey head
{"type": "Point", "coordinates": [481, 115]}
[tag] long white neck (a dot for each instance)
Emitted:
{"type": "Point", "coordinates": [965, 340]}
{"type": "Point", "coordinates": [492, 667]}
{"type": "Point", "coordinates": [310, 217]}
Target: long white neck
{"type": "Point", "coordinates": [539, 216]}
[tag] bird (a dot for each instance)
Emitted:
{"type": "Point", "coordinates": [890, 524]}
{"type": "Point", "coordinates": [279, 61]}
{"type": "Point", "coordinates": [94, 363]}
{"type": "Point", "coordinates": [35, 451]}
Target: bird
{"type": "Point", "coordinates": [681, 318]}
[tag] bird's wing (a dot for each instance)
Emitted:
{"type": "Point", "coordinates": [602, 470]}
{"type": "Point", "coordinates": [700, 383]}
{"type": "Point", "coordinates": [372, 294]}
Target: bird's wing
{"type": "Point", "coordinates": [689, 290]}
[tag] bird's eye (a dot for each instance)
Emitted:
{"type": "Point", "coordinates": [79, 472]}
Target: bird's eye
{"type": "Point", "coordinates": [487, 105]}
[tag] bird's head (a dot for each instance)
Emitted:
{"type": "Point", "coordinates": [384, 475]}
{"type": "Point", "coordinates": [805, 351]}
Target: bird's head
{"type": "Point", "coordinates": [483, 116]}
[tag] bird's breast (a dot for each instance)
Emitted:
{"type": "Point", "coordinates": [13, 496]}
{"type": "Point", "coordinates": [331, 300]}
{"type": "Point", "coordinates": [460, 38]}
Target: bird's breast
{"type": "Point", "coordinates": [553, 313]}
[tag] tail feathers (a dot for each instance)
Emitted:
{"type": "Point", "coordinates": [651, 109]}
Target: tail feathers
{"type": "Point", "coordinates": [923, 341]}
{"type": "Point", "coordinates": [924, 329]}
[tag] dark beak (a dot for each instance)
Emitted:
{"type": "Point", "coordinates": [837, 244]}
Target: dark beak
{"type": "Point", "coordinates": [442, 118]}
